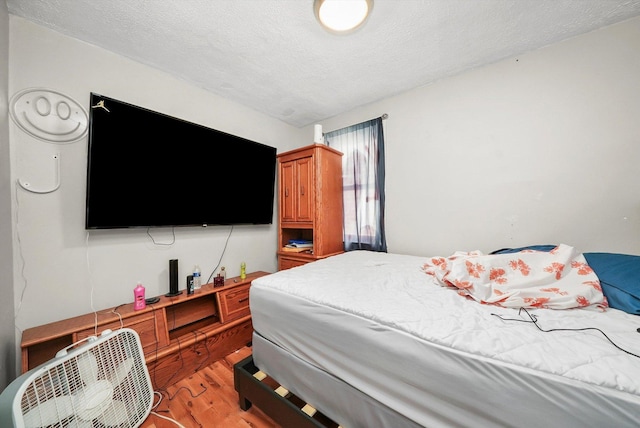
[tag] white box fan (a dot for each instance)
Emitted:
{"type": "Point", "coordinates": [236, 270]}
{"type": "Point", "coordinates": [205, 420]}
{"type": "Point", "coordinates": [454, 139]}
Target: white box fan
{"type": "Point", "coordinates": [101, 383]}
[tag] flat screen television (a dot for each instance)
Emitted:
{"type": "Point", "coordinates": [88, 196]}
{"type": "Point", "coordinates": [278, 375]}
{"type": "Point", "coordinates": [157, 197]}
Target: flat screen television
{"type": "Point", "coordinates": [148, 169]}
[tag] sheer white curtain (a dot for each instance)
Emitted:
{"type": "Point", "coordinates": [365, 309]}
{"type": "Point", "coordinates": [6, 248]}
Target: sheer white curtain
{"type": "Point", "coordinates": [363, 176]}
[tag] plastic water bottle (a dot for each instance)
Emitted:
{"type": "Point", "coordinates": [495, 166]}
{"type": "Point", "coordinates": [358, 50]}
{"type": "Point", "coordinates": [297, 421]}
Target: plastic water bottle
{"type": "Point", "coordinates": [138, 297]}
{"type": "Point", "coordinates": [197, 281]}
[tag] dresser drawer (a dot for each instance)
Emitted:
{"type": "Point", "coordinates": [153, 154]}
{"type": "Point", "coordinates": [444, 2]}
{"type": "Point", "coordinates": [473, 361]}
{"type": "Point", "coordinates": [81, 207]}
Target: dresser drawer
{"type": "Point", "coordinates": [143, 324]}
{"type": "Point", "coordinates": [234, 303]}
{"type": "Point", "coordinates": [288, 263]}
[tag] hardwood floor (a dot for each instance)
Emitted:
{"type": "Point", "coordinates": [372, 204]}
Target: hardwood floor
{"type": "Point", "coordinates": [207, 399]}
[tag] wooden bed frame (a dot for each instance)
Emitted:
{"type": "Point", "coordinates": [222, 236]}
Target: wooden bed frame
{"type": "Point", "coordinates": [285, 408]}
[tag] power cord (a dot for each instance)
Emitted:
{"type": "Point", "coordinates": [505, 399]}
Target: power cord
{"type": "Point", "coordinates": [171, 397]}
{"type": "Point", "coordinates": [204, 389]}
{"type": "Point", "coordinates": [22, 262]}
{"type": "Point", "coordinates": [168, 382]}
{"type": "Point", "coordinates": [534, 320]}
{"type": "Point", "coordinates": [224, 250]}
{"type": "Point", "coordinates": [168, 419]}
{"type": "Point", "coordinates": [173, 241]}
{"type": "Point", "coordinates": [206, 346]}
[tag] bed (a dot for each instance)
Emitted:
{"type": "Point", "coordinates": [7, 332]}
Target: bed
{"type": "Point", "coordinates": [373, 340]}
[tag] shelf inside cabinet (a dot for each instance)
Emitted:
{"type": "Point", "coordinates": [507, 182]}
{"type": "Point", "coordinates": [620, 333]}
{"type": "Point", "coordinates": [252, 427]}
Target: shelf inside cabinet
{"type": "Point", "coordinates": [191, 311]}
{"type": "Point", "coordinates": [195, 328]}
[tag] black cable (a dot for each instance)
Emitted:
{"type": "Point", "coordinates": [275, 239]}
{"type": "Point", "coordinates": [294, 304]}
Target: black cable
{"type": "Point", "coordinates": [171, 397]}
{"type": "Point", "coordinates": [534, 319]}
{"type": "Point", "coordinates": [163, 388]}
{"type": "Point", "coordinates": [173, 232]}
{"type": "Point", "coordinates": [221, 255]}
{"type": "Point", "coordinates": [206, 346]}
{"type": "Point", "coordinates": [204, 389]}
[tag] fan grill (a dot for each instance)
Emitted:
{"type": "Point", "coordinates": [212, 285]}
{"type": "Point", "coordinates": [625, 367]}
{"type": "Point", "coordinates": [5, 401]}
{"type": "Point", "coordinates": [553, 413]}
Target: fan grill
{"type": "Point", "coordinates": [100, 384]}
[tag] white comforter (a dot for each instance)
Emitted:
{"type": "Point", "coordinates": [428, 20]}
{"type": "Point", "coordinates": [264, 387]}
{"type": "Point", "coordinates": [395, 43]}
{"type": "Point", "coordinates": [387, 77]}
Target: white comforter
{"type": "Point", "coordinates": [391, 293]}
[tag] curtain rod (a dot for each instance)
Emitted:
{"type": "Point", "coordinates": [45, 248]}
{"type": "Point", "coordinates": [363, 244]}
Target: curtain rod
{"type": "Point", "coordinates": [383, 117]}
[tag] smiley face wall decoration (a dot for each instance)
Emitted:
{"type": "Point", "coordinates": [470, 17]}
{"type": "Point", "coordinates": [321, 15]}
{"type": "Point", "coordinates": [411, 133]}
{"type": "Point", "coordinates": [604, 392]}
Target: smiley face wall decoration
{"type": "Point", "coordinates": [51, 117]}
{"type": "Point", "coordinates": [48, 115]}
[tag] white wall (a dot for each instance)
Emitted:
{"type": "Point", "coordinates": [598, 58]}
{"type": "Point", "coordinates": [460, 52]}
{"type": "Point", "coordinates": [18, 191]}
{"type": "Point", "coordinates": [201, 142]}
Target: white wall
{"type": "Point", "coordinates": [542, 148]}
{"type": "Point", "coordinates": [61, 270]}
{"type": "Point", "coordinates": [7, 330]}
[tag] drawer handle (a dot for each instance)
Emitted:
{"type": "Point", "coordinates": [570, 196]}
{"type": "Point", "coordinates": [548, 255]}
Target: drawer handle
{"type": "Point", "coordinates": [243, 300]}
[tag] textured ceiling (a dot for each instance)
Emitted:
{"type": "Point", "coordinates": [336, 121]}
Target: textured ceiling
{"type": "Point", "coordinates": [272, 56]}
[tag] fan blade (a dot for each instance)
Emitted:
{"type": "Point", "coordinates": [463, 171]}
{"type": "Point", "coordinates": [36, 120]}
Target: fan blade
{"type": "Point", "coordinates": [94, 399]}
{"type": "Point", "coordinates": [88, 367]}
{"type": "Point", "coordinates": [82, 424]}
{"type": "Point", "coordinates": [49, 412]}
{"type": "Point", "coordinates": [121, 372]}
{"type": "Point", "coordinates": [115, 415]}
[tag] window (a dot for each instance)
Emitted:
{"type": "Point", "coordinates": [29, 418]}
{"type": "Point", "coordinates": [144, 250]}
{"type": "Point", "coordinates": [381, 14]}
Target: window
{"type": "Point", "coordinates": [363, 175]}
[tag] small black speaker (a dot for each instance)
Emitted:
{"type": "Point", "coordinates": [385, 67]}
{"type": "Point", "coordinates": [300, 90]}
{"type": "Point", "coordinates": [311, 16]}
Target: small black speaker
{"type": "Point", "coordinates": [173, 278]}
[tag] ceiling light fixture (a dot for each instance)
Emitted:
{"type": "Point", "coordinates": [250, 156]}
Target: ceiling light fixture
{"type": "Point", "coordinates": [342, 16]}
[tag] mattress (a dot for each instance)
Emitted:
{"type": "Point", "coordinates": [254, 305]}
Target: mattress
{"type": "Point", "coordinates": [377, 322]}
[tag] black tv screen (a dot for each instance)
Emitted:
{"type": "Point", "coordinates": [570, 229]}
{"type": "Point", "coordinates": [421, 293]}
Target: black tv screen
{"type": "Point", "coordinates": [148, 169]}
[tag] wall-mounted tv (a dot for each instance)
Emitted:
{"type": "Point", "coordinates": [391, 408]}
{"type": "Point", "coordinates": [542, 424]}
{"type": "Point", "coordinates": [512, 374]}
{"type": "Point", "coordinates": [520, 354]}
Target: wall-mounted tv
{"type": "Point", "coordinates": [148, 169]}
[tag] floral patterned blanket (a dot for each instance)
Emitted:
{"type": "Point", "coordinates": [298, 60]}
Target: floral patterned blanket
{"type": "Point", "coordinates": [559, 279]}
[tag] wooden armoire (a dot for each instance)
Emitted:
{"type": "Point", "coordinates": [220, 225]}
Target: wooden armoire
{"type": "Point", "coordinates": [310, 204]}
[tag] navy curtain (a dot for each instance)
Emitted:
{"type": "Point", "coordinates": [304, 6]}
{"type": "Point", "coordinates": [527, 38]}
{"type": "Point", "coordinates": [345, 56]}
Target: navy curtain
{"type": "Point", "coordinates": [363, 176]}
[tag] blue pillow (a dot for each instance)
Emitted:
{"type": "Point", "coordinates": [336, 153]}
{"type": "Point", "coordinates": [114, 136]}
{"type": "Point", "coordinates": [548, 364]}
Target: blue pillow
{"type": "Point", "coordinates": [545, 248]}
{"type": "Point", "coordinates": [619, 276]}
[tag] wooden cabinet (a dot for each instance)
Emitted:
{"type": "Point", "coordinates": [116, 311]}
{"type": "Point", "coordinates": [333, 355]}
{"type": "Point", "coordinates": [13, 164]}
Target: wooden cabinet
{"type": "Point", "coordinates": [310, 203]}
{"type": "Point", "coordinates": [179, 334]}
{"type": "Point", "coordinates": [296, 193]}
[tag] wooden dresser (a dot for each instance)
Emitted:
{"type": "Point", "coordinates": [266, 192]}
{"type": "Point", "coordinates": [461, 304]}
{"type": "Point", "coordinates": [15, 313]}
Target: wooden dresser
{"type": "Point", "coordinates": [179, 334]}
